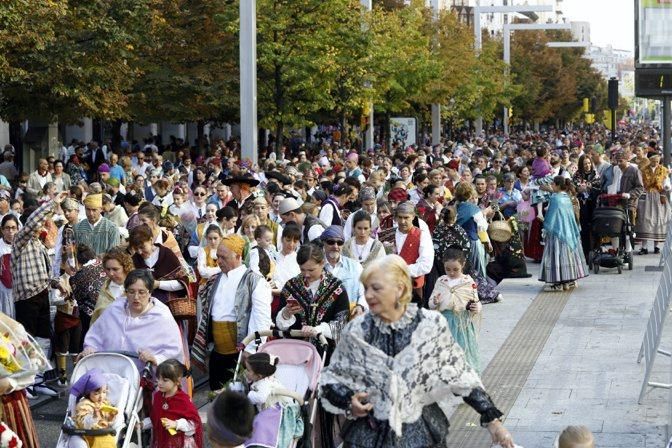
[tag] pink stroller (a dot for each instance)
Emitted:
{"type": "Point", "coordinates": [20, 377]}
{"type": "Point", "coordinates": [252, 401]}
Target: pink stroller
{"type": "Point", "coordinates": [298, 370]}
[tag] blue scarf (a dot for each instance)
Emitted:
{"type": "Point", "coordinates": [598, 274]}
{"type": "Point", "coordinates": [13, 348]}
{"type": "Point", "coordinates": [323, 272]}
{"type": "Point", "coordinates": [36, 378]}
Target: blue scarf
{"type": "Point", "coordinates": [560, 221]}
{"type": "Point", "coordinates": [466, 211]}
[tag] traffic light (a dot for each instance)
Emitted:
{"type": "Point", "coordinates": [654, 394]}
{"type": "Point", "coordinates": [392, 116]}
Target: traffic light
{"type": "Point", "coordinates": [613, 94]}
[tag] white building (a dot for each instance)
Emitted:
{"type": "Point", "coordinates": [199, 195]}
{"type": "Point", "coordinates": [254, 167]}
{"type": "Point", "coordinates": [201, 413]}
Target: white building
{"type": "Point", "coordinates": [610, 61]}
{"type": "Point", "coordinates": [581, 31]}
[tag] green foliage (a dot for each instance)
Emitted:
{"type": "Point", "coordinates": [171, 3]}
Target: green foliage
{"type": "Point", "coordinates": [82, 67]}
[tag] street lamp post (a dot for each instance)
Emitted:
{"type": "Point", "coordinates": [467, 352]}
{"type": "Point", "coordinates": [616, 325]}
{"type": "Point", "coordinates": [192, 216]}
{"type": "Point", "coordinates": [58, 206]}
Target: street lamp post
{"type": "Point", "coordinates": [368, 137]}
{"type": "Point", "coordinates": [478, 39]}
{"type": "Point", "coordinates": [248, 80]}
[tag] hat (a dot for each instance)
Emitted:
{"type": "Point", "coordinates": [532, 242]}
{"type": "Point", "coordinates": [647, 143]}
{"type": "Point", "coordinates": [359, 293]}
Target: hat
{"type": "Point", "coordinates": [246, 179]}
{"type": "Point", "coordinates": [333, 232]}
{"type": "Point", "coordinates": [70, 204]}
{"type": "Point", "coordinates": [113, 182]}
{"type": "Point", "coordinates": [324, 161]}
{"type": "Point", "coordinates": [215, 161]}
{"type": "Point", "coordinates": [4, 194]}
{"type": "Point", "coordinates": [234, 243]}
{"type": "Point", "coordinates": [288, 205]}
{"type": "Point", "coordinates": [397, 195]}
{"type": "Point", "coordinates": [94, 201]}
{"type": "Point", "coordinates": [284, 180]}
{"type": "Point", "coordinates": [454, 164]}
{"type": "Point", "coordinates": [353, 156]}
{"type": "Point", "coordinates": [104, 168]}
{"type": "Point", "coordinates": [92, 380]}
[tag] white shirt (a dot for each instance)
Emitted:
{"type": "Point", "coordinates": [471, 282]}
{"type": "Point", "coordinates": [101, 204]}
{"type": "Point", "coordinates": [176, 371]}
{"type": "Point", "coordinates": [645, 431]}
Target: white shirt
{"type": "Point", "coordinates": [116, 290]}
{"type": "Point", "coordinates": [166, 285]}
{"type": "Point", "coordinates": [616, 181]}
{"type": "Point", "coordinates": [336, 272]}
{"type": "Point", "coordinates": [327, 213]}
{"type": "Point", "coordinates": [254, 258]}
{"type": "Point", "coordinates": [286, 268]}
{"type": "Point", "coordinates": [423, 265]}
{"type": "Point", "coordinates": [225, 297]}
{"type": "Point", "coordinates": [204, 270]}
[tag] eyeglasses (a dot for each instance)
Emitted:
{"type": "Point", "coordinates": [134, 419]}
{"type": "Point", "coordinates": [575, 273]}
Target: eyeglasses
{"type": "Point", "coordinates": [199, 194]}
{"type": "Point", "coordinates": [332, 242]}
{"type": "Point", "coordinates": [140, 293]}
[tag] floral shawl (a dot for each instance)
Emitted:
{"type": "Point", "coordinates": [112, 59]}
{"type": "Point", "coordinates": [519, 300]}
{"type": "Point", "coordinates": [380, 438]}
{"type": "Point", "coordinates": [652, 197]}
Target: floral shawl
{"type": "Point", "coordinates": [330, 303]}
{"type": "Point", "coordinates": [429, 370]}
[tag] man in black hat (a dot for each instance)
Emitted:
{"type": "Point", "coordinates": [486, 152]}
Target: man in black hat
{"type": "Point", "coordinates": [241, 189]}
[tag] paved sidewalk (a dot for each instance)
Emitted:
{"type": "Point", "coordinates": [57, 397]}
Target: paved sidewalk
{"type": "Point", "coordinates": [586, 372]}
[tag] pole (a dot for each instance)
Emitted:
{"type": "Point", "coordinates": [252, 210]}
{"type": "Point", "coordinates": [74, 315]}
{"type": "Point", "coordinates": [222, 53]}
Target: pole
{"type": "Point", "coordinates": [667, 158]}
{"type": "Point", "coordinates": [507, 61]}
{"type": "Point", "coordinates": [436, 108]}
{"type": "Point", "coordinates": [478, 46]}
{"type": "Point", "coordinates": [248, 80]}
{"type": "Point", "coordinates": [613, 125]}
{"type": "Point", "coordinates": [368, 135]}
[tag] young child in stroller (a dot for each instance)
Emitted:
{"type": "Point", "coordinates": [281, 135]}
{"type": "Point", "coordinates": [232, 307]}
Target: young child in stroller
{"type": "Point", "coordinates": [260, 372]}
{"type": "Point", "coordinates": [174, 419]}
{"type": "Point", "coordinates": [93, 411]}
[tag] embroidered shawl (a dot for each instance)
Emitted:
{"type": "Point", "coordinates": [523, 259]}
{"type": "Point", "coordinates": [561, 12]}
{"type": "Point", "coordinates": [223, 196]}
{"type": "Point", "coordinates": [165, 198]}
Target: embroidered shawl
{"type": "Point", "coordinates": [426, 371]}
{"type": "Point", "coordinates": [455, 298]}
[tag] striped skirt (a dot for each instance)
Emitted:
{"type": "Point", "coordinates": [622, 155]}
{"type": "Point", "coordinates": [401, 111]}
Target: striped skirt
{"type": "Point", "coordinates": [561, 263]}
{"type": "Point", "coordinates": [652, 217]}
{"type": "Point", "coordinates": [16, 414]}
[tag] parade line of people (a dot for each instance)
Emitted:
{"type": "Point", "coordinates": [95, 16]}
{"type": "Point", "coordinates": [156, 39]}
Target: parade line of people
{"type": "Point", "coordinates": [179, 255]}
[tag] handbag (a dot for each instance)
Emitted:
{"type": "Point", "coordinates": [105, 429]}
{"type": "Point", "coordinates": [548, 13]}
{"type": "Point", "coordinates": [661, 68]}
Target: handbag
{"type": "Point", "coordinates": [182, 307]}
{"type": "Point", "coordinates": [500, 231]}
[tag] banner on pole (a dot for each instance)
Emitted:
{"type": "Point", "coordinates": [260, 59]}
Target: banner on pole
{"type": "Point", "coordinates": [402, 131]}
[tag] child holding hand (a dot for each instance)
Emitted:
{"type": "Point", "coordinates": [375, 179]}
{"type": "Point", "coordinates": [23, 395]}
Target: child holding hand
{"type": "Point", "coordinates": [174, 419]}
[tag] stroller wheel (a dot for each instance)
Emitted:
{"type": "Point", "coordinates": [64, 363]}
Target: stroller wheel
{"type": "Point", "coordinates": [620, 269]}
{"type": "Point", "coordinates": [596, 268]}
{"type": "Point", "coordinates": [590, 260]}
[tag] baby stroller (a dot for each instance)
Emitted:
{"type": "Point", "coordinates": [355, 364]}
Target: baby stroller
{"type": "Point", "coordinates": [124, 393]}
{"type": "Point", "coordinates": [611, 220]}
{"type": "Point", "coordinates": [298, 370]}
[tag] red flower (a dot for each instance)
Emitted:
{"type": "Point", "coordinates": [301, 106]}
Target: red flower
{"type": "Point", "coordinates": [14, 443]}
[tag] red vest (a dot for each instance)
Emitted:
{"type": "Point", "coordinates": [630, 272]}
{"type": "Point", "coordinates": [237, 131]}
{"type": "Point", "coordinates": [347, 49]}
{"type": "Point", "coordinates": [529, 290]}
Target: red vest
{"type": "Point", "coordinates": [411, 251]}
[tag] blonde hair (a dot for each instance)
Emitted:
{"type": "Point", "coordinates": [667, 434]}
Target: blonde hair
{"type": "Point", "coordinates": [249, 219]}
{"type": "Point", "coordinates": [395, 267]}
{"type": "Point", "coordinates": [576, 437]}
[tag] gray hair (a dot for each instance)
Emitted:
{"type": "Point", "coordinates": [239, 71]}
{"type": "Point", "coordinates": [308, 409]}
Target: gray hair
{"type": "Point", "coordinates": [366, 194]}
{"type": "Point", "coordinates": [405, 208]}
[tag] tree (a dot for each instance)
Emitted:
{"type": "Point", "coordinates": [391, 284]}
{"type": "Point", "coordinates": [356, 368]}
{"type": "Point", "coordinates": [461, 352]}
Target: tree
{"type": "Point", "coordinates": [86, 70]}
{"type": "Point", "coordinates": [190, 68]}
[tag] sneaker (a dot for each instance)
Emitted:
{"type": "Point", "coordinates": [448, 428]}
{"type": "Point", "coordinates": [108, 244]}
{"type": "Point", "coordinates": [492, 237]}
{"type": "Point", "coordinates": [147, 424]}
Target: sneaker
{"type": "Point", "coordinates": [43, 389]}
{"type": "Point", "coordinates": [656, 250]}
{"type": "Point", "coordinates": [499, 298]}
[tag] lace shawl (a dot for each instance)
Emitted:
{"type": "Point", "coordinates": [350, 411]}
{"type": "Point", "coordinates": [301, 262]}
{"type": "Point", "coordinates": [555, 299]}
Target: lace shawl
{"type": "Point", "coordinates": [426, 371]}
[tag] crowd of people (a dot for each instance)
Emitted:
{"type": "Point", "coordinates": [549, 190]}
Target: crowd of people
{"type": "Point", "coordinates": [178, 253]}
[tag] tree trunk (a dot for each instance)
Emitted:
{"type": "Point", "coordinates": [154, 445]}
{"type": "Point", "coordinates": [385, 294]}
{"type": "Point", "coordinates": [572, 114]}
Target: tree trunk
{"type": "Point", "coordinates": [116, 135]}
{"type": "Point", "coordinates": [279, 128]}
{"type": "Point", "coordinates": [343, 122]}
{"type": "Point", "coordinates": [16, 140]}
{"type": "Point", "coordinates": [200, 134]}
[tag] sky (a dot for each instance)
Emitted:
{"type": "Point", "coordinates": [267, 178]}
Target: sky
{"type": "Point", "coordinates": [611, 21]}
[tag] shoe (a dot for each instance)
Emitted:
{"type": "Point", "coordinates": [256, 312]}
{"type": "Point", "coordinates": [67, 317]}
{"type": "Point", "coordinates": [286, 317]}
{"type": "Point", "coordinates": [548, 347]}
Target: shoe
{"type": "Point", "coordinates": [43, 389]}
{"type": "Point", "coordinates": [555, 287]}
{"type": "Point", "coordinates": [644, 251]}
{"type": "Point", "coordinates": [499, 298]}
{"type": "Point", "coordinates": [30, 393]}
{"type": "Point", "coordinates": [656, 250]}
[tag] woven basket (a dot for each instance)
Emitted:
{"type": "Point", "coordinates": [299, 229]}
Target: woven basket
{"type": "Point", "coordinates": [500, 231]}
{"type": "Point", "coordinates": [182, 308]}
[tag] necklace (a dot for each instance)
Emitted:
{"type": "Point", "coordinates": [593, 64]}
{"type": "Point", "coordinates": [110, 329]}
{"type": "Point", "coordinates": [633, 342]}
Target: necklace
{"type": "Point", "coordinates": [164, 406]}
{"type": "Point", "coordinates": [360, 253]}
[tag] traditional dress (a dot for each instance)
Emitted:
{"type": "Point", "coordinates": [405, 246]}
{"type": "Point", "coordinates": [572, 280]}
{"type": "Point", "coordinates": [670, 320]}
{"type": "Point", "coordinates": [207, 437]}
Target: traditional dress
{"type": "Point", "coordinates": [117, 330]}
{"type": "Point", "coordinates": [6, 298]}
{"type": "Point", "coordinates": [180, 409]}
{"type": "Point", "coordinates": [653, 209]}
{"type": "Point", "coordinates": [447, 236]}
{"type": "Point", "coordinates": [165, 267]}
{"type": "Point", "coordinates": [101, 237]}
{"type": "Point", "coordinates": [109, 292]}
{"type": "Point", "coordinates": [325, 306]}
{"type": "Point", "coordinates": [471, 219]}
{"type": "Point", "coordinates": [20, 368]}
{"type": "Point", "coordinates": [563, 259]}
{"type": "Point", "coordinates": [587, 202]}
{"type": "Point", "coordinates": [509, 260]}
{"type": "Point", "coordinates": [408, 368]}
{"type": "Point", "coordinates": [451, 297]}
{"type": "Point", "coordinates": [86, 285]}
{"type": "Point", "coordinates": [206, 263]}
{"type": "Point", "coordinates": [365, 253]}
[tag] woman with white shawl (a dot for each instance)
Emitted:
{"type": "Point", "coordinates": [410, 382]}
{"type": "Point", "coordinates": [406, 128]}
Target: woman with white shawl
{"type": "Point", "coordinates": [395, 365]}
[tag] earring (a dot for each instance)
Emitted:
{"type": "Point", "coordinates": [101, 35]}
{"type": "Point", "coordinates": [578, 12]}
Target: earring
{"type": "Point", "coordinates": [397, 303]}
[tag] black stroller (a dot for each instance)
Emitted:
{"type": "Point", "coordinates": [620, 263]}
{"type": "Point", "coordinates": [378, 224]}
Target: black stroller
{"type": "Point", "coordinates": [611, 220]}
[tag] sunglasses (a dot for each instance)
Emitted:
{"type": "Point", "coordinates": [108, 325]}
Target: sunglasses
{"type": "Point", "coordinates": [199, 194]}
{"type": "Point", "coordinates": [332, 242]}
